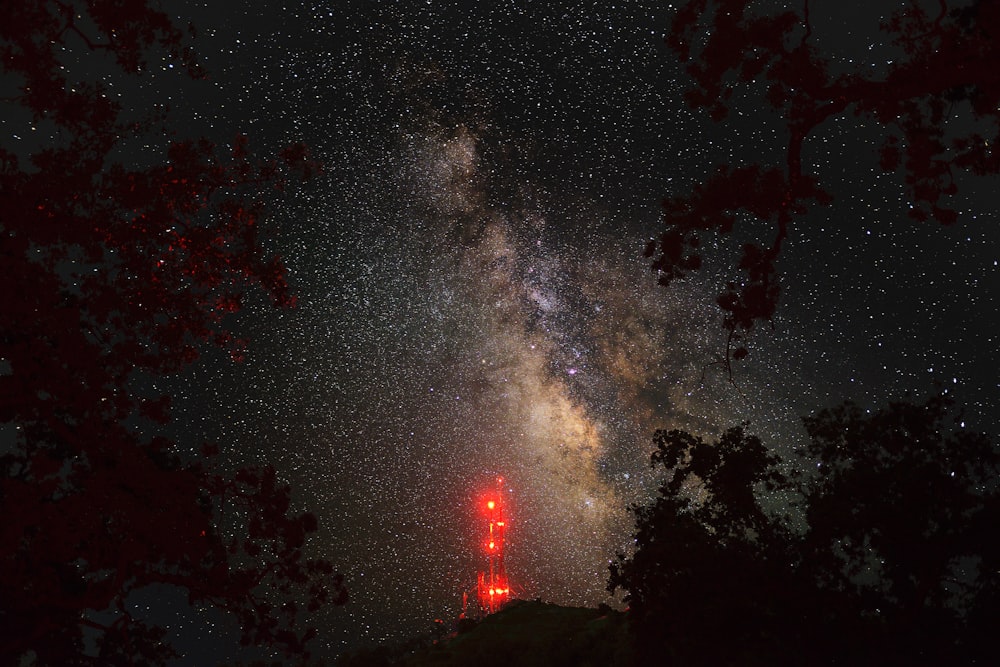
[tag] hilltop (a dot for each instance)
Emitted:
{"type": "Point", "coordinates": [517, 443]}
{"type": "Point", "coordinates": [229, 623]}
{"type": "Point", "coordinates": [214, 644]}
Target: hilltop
{"type": "Point", "coordinates": [524, 633]}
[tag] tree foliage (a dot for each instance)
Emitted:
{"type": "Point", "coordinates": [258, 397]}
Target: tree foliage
{"type": "Point", "coordinates": [897, 562]}
{"type": "Point", "coordinates": [116, 266]}
{"type": "Point", "coordinates": [938, 103]}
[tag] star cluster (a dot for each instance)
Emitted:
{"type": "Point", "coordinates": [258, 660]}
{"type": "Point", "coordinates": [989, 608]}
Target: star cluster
{"type": "Point", "coordinates": [473, 300]}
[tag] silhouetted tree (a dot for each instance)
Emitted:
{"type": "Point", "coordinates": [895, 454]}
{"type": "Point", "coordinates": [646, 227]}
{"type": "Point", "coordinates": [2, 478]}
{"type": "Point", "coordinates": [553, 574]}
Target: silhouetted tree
{"type": "Point", "coordinates": [705, 576]}
{"type": "Point", "coordinates": [897, 562]}
{"type": "Point", "coordinates": [937, 98]}
{"type": "Point", "coordinates": [117, 265]}
{"type": "Point", "coordinates": [902, 517]}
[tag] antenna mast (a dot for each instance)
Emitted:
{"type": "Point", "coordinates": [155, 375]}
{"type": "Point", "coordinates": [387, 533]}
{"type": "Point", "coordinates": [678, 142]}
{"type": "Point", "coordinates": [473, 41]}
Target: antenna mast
{"type": "Point", "coordinates": [493, 588]}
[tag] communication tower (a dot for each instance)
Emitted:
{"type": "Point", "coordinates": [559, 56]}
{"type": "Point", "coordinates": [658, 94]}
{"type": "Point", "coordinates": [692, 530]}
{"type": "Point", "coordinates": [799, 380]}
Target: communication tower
{"type": "Point", "coordinates": [493, 586]}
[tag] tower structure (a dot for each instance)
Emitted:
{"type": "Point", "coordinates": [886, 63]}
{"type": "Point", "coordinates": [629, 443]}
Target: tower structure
{"type": "Point", "coordinates": [493, 587]}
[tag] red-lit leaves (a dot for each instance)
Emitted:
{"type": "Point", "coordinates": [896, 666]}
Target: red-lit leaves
{"type": "Point", "coordinates": [188, 243]}
{"type": "Point", "coordinates": [736, 43]}
{"type": "Point", "coordinates": [258, 551]}
{"type": "Point", "coordinates": [715, 205]}
{"type": "Point", "coordinates": [112, 265]}
{"type": "Point", "coordinates": [298, 160]}
{"type": "Point", "coordinates": [889, 154]}
{"type": "Point", "coordinates": [157, 409]}
{"type": "Point", "coordinates": [948, 68]}
{"type": "Point", "coordinates": [673, 261]}
{"type": "Point", "coordinates": [129, 28]}
{"type": "Point", "coordinates": [755, 298]}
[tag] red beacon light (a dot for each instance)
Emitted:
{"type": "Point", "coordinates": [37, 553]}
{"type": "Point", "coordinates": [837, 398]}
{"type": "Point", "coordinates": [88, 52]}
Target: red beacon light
{"type": "Point", "coordinates": [493, 587]}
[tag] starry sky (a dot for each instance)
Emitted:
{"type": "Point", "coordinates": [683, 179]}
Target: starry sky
{"type": "Point", "coordinates": [473, 300]}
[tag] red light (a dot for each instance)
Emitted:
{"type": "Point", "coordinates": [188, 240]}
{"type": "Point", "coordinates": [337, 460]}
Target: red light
{"type": "Point", "coordinates": [493, 588]}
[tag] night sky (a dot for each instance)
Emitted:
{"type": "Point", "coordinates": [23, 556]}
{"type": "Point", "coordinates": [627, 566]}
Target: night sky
{"type": "Point", "coordinates": [473, 300]}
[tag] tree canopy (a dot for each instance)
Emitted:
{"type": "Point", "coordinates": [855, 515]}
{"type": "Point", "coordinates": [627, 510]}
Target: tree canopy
{"type": "Point", "coordinates": [118, 266]}
{"type": "Point", "coordinates": [937, 99]}
{"type": "Point", "coordinates": [893, 560]}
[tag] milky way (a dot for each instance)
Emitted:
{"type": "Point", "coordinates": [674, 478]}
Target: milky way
{"type": "Point", "coordinates": [473, 301]}
{"type": "Point", "coordinates": [447, 338]}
